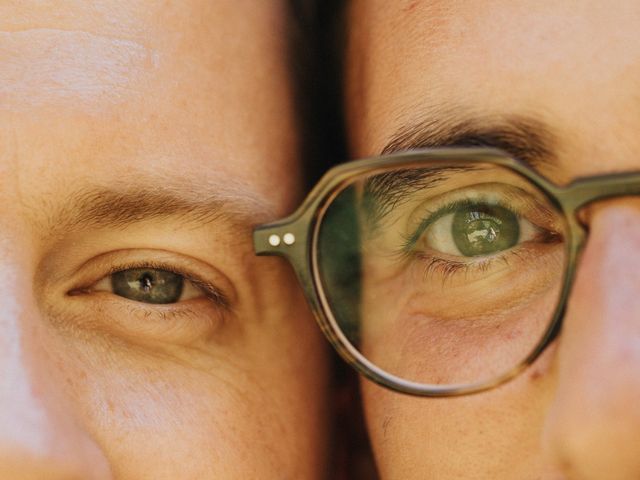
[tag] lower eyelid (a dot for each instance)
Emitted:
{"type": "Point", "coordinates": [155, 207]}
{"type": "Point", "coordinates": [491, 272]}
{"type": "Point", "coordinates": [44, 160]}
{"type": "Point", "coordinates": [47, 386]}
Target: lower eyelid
{"type": "Point", "coordinates": [446, 268]}
{"type": "Point", "coordinates": [195, 321]}
{"type": "Point", "coordinates": [436, 265]}
{"type": "Point", "coordinates": [455, 263]}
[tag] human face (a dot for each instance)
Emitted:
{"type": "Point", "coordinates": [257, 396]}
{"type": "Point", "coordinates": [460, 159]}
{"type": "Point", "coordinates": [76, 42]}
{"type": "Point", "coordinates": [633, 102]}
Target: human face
{"type": "Point", "coordinates": [153, 136]}
{"type": "Point", "coordinates": [443, 73]}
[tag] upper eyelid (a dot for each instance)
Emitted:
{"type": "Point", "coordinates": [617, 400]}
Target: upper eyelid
{"type": "Point", "coordinates": [444, 209]}
{"type": "Point", "coordinates": [511, 192]}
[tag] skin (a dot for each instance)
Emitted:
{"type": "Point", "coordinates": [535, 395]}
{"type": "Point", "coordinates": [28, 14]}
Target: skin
{"type": "Point", "coordinates": [431, 325]}
{"type": "Point", "coordinates": [134, 133]}
{"type": "Point", "coordinates": [572, 67]}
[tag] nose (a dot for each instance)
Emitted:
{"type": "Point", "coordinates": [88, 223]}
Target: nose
{"type": "Point", "coordinates": [593, 426]}
{"type": "Point", "coordinates": [39, 436]}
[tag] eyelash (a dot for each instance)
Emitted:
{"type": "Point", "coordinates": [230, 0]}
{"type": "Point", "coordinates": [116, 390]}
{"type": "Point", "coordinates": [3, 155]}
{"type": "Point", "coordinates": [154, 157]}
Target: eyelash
{"type": "Point", "coordinates": [448, 268]}
{"type": "Point", "coordinates": [433, 216]}
{"type": "Point", "coordinates": [210, 291]}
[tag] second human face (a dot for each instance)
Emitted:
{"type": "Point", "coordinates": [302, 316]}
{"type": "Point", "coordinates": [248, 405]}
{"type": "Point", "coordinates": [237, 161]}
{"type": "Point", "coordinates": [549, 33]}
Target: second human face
{"type": "Point", "coordinates": [503, 74]}
{"type": "Point", "coordinates": [140, 338]}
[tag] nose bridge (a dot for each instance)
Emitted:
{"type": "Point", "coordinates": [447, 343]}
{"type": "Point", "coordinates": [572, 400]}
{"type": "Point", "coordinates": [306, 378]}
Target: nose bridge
{"type": "Point", "coordinates": [608, 276]}
{"type": "Point", "coordinates": [594, 426]}
{"type": "Point", "coordinates": [39, 435]}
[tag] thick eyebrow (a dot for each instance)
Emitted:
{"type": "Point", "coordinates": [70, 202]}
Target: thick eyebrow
{"type": "Point", "coordinates": [524, 138]}
{"type": "Point", "coordinates": [113, 207]}
{"type": "Point", "coordinates": [386, 191]}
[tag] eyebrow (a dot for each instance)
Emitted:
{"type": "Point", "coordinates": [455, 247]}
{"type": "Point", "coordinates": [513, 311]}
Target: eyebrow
{"type": "Point", "coordinates": [386, 191]}
{"type": "Point", "coordinates": [524, 138]}
{"type": "Point", "coordinates": [113, 207]}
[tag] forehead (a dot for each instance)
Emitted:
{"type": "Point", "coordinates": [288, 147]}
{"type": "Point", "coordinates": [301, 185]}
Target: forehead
{"type": "Point", "coordinates": [540, 58]}
{"type": "Point", "coordinates": [73, 67]}
{"type": "Point", "coordinates": [94, 91]}
{"type": "Point", "coordinates": [112, 52]}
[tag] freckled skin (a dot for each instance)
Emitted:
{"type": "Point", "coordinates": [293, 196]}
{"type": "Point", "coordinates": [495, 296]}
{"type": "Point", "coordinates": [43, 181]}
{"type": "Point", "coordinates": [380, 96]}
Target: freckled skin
{"type": "Point", "coordinates": [192, 98]}
{"type": "Point", "coordinates": [574, 66]}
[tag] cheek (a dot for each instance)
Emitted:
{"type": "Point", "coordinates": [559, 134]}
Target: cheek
{"type": "Point", "coordinates": [148, 416]}
{"type": "Point", "coordinates": [251, 398]}
{"type": "Point", "coordinates": [495, 434]}
{"type": "Point", "coordinates": [156, 416]}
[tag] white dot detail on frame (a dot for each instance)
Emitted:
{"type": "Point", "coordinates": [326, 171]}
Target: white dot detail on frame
{"type": "Point", "coordinates": [289, 238]}
{"type": "Point", "coordinates": [274, 240]}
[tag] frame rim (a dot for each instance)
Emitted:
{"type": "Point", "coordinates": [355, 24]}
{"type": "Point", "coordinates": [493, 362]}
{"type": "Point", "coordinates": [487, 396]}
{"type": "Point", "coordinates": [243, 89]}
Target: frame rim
{"type": "Point", "coordinates": [305, 224]}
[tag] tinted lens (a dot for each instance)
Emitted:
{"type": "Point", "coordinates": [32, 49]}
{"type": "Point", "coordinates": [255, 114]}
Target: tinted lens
{"type": "Point", "coordinates": [442, 275]}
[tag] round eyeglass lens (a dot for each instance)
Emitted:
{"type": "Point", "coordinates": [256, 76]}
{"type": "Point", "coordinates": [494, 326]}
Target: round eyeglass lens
{"type": "Point", "coordinates": [441, 274]}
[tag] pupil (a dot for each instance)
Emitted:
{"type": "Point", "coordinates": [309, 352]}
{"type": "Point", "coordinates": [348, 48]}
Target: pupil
{"type": "Point", "coordinates": [146, 282]}
{"type": "Point", "coordinates": [483, 229]}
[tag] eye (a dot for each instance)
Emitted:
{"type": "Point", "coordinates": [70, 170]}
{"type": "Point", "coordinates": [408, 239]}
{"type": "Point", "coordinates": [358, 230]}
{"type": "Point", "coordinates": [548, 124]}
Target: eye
{"type": "Point", "coordinates": [478, 229]}
{"type": "Point", "coordinates": [149, 285]}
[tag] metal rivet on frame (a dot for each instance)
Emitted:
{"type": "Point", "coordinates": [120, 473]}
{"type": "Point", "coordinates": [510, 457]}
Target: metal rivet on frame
{"type": "Point", "coordinates": [289, 238]}
{"type": "Point", "coordinates": [274, 240]}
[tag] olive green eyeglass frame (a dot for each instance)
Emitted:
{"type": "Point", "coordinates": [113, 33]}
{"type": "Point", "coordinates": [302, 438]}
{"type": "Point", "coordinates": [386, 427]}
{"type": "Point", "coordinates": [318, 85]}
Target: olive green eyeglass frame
{"type": "Point", "coordinates": [296, 239]}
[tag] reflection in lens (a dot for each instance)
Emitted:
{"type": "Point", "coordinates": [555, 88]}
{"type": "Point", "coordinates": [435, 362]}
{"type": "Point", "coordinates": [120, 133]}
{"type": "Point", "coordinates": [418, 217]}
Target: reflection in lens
{"type": "Point", "coordinates": [480, 229]}
{"type": "Point", "coordinates": [442, 275]}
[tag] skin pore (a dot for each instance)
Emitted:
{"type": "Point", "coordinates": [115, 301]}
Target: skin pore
{"type": "Point", "coordinates": [144, 136]}
{"type": "Point", "coordinates": [555, 84]}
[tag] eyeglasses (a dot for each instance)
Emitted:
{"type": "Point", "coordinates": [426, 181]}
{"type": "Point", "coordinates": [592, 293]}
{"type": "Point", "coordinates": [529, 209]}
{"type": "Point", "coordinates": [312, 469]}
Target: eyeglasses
{"type": "Point", "coordinates": [439, 272]}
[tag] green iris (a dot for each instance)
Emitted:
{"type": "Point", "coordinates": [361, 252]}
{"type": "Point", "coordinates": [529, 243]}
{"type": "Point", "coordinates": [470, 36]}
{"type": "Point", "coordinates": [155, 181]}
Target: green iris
{"type": "Point", "coordinates": [148, 285]}
{"type": "Point", "coordinates": [484, 229]}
